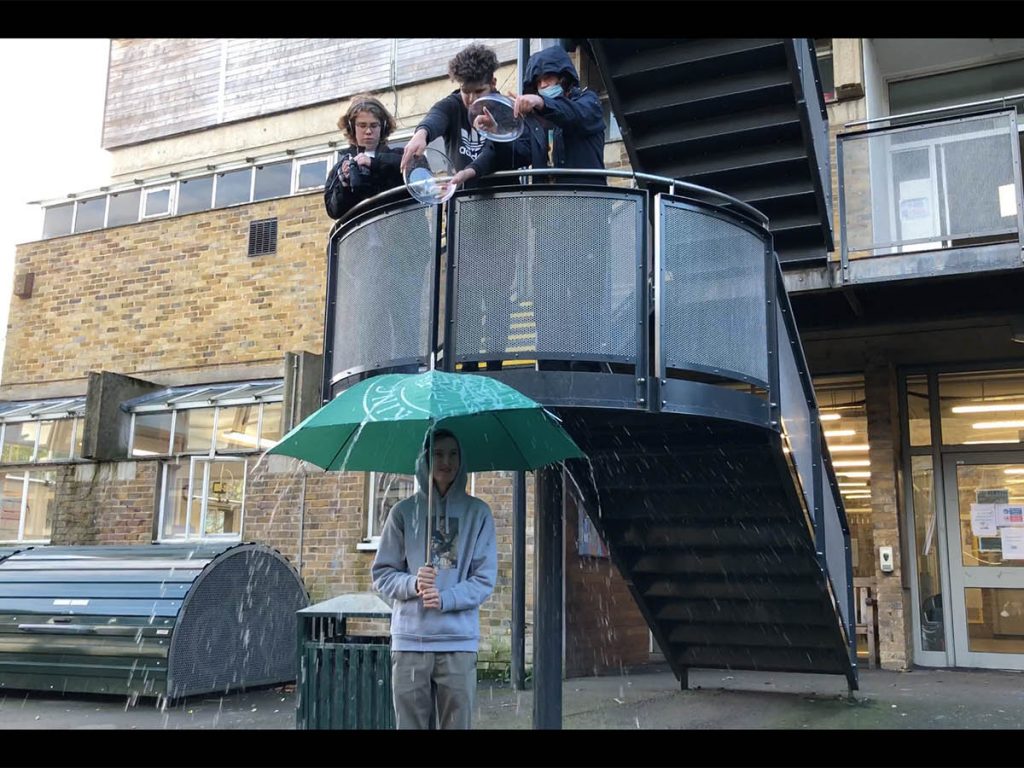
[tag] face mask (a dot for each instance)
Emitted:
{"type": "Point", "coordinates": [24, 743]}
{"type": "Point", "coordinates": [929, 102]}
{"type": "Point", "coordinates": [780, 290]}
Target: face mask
{"type": "Point", "coordinates": [551, 92]}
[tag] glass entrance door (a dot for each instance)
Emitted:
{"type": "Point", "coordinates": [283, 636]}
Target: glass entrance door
{"type": "Point", "coordinates": [985, 535]}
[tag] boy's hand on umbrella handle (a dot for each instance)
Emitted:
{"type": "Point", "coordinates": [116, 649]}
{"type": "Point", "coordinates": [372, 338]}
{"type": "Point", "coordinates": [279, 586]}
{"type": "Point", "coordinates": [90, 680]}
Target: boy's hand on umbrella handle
{"type": "Point", "coordinates": [431, 598]}
{"type": "Point", "coordinates": [425, 577]}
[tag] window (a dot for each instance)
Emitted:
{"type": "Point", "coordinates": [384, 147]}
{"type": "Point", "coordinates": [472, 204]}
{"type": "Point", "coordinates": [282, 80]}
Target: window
{"type": "Point", "coordinates": [385, 490]}
{"type": "Point", "coordinates": [158, 202]}
{"type": "Point", "coordinates": [273, 180]}
{"type": "Point", "coordinates": [124, 208]}
{"type": "Point", "coordinates": [844, 420]}
{"type": "Point", "coordinates": [233, 187]}
{"type": "Point", "coordinates": [57, 220]}
{"type": "Point", "coordinates": [26, 508]}
{"type": "Point", "coordinates": [310, 173]}
{"type": "Point", "coordinates": [612, 130]}
{"type": "Point", "coordinates": [90, 214]}
{"type": "Point", "coordinates": [204, 429]}
{"type": "Point", "coordinates": [41, 430]}
{"type": "Point", "coordinates": [823, 49]}
{"type": "Point", "coordinates": [195, 194]}
{"type": "Point", "coordinates": [202, 498]}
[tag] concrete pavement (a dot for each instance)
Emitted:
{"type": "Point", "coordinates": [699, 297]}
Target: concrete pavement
{"type": "Point", "coordinates": [648, 698]}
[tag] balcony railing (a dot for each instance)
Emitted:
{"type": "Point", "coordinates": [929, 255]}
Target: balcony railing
{"type": "Point", "coordinates": [947, 191]}
{"type": "Point", "coordinates": [664, 299]}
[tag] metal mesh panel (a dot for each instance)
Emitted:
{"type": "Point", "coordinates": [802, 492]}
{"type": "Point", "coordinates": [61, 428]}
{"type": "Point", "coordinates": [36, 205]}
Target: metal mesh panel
{"type": "Point", "coordinates": [238, 626]}
{"type": "Point", "coordinates": [835, 551]}
{"type": "Point", "coordinates": [795, 415]}
{"type": "Point", "coordinates": [384, 279]}
{"type": "Point", "coordinates": [551, 276]}
{"type": "Point", "coordinates": [713, 298]}
{"type": "Point", "coordinates": [919, 188]}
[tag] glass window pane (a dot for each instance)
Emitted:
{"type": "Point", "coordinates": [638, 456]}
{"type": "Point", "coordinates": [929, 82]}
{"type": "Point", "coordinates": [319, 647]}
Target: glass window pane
{"type": "Point", "coordinates": [844, 419]}
{"type": "Point", "coordinates": [90, 214]}
{"type": "Point", "coordinates": [982, 408]}
{"type": "Point", "coordinates": [995, 619]}
{"type": "Point", "coordinates": [79, 435]}
{"type": "Point", "coordinates": [312, 174]}
{"type": "Point", "coordinates": [927, 543]}
{"type": "Point", "coordinates": [193, 430]}
{"type": "Point", "coordinates": [233, 187]}
{"type": "Point", "coordinates": [273, 180]}
{"type": "Point", "coordinates": [10, 506]}
{"type": "Point", "coordinates": [152, 434]}
{"type": "Point", "coordinates": [195, 194]}
{"type": "Point", "coordinates": [124, 208]}
{"type": "Point", "coordinates": [271, 425]}
{"type": "Point", "coordinates": [57, 220]}
{"type": "Point", "coordinates": [1002, 486]}
{"type": "Point", "coordinates": [54, 440]}
{"type": "Point", "coordinates": [19, 442]}
{"type": "Point", "coordinates": [39, 505]}
{"type": "Point", "coordinates": [918, 413]}
{"type": "Point", "coordinates": [225, 496]}
{"type": "Point", "coordinates": [158, 202]}
{"type": "Point", "coordinates": [175, 501]}
{"type": "Point", "coordinates": [387, 489]}
{"type": "Point", "coordinates": [236, 428]}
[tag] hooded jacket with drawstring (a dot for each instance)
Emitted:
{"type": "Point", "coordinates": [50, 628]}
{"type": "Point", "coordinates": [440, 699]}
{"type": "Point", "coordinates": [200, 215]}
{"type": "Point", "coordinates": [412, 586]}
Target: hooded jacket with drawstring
{"type": "Point", "coordinates": [570, 127]}
{"type": "Point", "coordinates": [465, 578]}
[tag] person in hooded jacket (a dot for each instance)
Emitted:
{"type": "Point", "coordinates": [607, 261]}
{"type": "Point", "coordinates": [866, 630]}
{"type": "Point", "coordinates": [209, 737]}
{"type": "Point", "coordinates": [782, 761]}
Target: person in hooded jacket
{"type": "Point", "coordinates": [473, 69]}
{"type": "Point", "coordinates": [367, 125]}
{"type": "Point", "coordinates": [564, 123]}
{"type": "Point", "coordinates": [435, 619]}
{"type": "Point", "coordinates": [564, 128]}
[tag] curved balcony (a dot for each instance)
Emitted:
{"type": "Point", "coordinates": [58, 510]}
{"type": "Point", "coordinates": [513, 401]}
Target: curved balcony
{"type": "Point", "coordinates": [653, 319]}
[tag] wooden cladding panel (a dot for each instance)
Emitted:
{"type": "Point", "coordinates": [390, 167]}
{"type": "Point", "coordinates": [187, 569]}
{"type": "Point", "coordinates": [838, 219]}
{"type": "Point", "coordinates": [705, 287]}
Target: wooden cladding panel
{"type": "Point", "coordinates": [163, 87]}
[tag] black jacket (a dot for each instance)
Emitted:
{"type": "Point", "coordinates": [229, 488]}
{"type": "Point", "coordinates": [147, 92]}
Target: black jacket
{"type": "Point", "coordinates": [573, 122]}
{"type": "Point", "coordinates": [384, 174]}
{"type": "Point", "coordinates": [465, 147]}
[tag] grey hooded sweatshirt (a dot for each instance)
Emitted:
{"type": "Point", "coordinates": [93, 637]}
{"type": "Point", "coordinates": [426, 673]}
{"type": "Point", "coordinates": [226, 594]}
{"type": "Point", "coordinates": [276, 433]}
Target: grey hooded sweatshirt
{"type": "Point", "coordinates": [466, 553]}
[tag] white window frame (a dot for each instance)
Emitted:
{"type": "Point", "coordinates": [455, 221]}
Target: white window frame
{"type": "Point", "coordinates": [202, 494]}
{"type": "Point", "coordinates": [23, 511]}
{"type": "Point", "coordinates": [171, 190]}
{"type": "Point", "coordinates": [297, 169]}
{"type": "Point", "coordinates": [371, 539]}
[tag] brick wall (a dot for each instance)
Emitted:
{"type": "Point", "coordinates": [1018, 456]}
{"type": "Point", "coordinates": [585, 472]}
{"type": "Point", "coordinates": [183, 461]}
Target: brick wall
{"type": "Point", "coordinates": [894, 640]}
{"type": "Point", "coordinates": [171, 293]}
{"type": "Point", "coordinates": [105, 503]}
{"type": "Point", "coordinates": [604, 629]}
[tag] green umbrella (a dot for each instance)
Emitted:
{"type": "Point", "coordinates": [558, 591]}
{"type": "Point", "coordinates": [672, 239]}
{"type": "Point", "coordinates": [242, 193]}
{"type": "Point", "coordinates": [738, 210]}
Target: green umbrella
{"type": "Point", "coordinates": [380, 424]}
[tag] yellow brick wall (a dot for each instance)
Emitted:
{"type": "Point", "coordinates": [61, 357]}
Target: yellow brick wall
{"type": "Point", "coordinates": [169, 294]}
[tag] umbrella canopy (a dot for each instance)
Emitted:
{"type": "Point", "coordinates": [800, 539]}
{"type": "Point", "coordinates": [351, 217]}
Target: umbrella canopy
{"type": "Point", "coordinates": [380, 424]}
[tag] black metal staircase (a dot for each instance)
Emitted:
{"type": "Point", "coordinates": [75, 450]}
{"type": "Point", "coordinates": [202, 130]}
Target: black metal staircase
{"type": "Point", "coordinates": [704, 521]}
{"type": "Point", "coordinates": [744, 117]}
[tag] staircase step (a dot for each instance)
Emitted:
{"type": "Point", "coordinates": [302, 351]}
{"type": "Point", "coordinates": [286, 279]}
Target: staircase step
{"type": "Point", "coordinates": [766, 659]}
{"type": "Point", "coordinates": [705, 97]}
{"type": "Point", "coordinates": [662, 54]}
{"type": "Point", "coordinates": [762, 123]}
{"type": "Point", "coordinates": [752, 635]}
{"type": "Point", "coordinates": [735, 564]}
{"type": "Point", "coordinates": [736, 588]}
{"type": "Point", "coordinates": [699, 169]}
{"type": "Point", "coordinates": [744, 612]}
{"type": "Point", "coordinates": [656, 536]}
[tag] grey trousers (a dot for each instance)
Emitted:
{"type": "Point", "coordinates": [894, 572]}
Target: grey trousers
{"type": "Point", "coordinates": [433, 685]}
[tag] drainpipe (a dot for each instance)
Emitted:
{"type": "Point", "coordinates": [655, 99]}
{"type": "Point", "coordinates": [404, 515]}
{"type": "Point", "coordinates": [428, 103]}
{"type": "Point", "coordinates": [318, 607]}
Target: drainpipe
{"type": "Point", "coordinates": [302, 522]}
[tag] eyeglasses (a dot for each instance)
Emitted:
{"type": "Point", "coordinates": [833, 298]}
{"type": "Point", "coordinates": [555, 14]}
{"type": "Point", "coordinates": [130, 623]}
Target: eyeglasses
{"type": "Point", "coordinates": [367, 126]}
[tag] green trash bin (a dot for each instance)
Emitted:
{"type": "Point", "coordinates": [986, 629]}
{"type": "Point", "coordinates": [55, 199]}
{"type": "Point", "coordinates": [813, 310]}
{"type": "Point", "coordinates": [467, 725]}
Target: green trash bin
{"type": "Point", "coordinates": [344, 680]}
